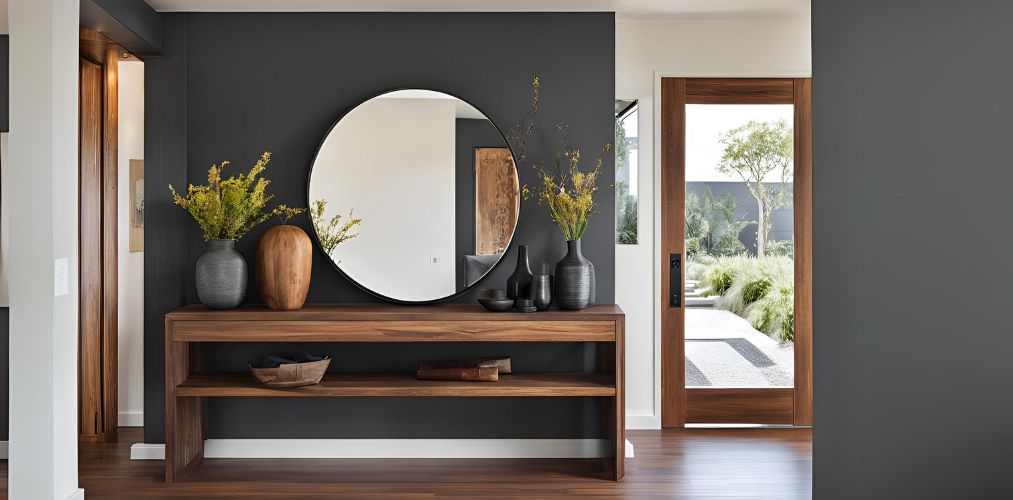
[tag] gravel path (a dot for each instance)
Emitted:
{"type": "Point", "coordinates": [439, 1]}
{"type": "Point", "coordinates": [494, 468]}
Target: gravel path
{"type": "Point", "coordinates": [724, 350]}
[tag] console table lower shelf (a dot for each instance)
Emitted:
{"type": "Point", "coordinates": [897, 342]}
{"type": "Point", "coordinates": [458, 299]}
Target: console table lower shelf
{"type": "Point", "coordinates": [187, 385]}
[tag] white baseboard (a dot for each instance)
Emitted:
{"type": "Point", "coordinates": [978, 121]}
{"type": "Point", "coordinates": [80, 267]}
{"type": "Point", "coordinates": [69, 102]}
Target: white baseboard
{"type": "Point", "coordinates": [390, 448]}
{"type": "Point", "coordinates": [76, 495]}
{"type": "Point", "coordinates": [130, 419]}
{"type": "Point", "coordinates": [643, 422]}
{"type": "Point", "coordinates": [145, 451]}
{"type": "Point", "coordinates": [3, 450]}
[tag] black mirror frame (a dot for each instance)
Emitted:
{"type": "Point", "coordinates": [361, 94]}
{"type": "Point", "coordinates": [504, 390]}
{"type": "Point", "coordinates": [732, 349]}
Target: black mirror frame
{"type": "Point", "coordinates": [316, 237]}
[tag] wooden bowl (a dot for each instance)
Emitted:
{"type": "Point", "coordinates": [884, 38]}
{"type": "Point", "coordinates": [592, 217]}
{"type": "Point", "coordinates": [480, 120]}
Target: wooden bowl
{"type": "Point", "coordinates": [292, 375]}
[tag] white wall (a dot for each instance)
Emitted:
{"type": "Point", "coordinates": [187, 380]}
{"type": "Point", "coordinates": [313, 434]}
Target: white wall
{"type": "Point", "coordinates": [645, 51]}
{"type": "Point", "coordinates": [41, 182]}
{"type": "Point", "coordinates": [131, 264]}
{"type": "Point", "coordinates": [393, 161]}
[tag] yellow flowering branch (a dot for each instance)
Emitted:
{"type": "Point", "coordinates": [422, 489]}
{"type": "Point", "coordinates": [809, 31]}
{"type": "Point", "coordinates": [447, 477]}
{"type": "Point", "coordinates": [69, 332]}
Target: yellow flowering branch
{"type": "Point", "coordinates": [227, 209]}
{"type": "Point", "coordinates": [568, 191]}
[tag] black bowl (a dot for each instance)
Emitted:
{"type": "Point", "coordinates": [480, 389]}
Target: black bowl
{"type": "Point", "coordinates": [496, 305]}
{"type": "Point", "coordinates": [492, 293]}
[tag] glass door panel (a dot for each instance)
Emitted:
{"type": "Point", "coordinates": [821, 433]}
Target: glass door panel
{"type": "Point", "coordinates": [739, 241]}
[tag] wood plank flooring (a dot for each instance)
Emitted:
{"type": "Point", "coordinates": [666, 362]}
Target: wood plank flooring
{"type": "Point", "coordinates": [672, 464]}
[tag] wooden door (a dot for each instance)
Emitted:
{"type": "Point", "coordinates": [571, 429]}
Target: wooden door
{"type": "Point", "coordinates": [97, 239]}
{"type": "Point", "coordinates": [496, 202]}
{"type": "Point", "coordinates": [762, 405]}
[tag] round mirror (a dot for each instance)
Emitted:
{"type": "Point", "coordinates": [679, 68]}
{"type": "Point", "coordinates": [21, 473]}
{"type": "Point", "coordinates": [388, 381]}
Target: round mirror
{"type": "Point", "coordinates": [435, 186]}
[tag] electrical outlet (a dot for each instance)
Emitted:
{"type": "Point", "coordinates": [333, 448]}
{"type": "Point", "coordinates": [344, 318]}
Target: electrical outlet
{"type": "Point", "coordinates": [61, 277]}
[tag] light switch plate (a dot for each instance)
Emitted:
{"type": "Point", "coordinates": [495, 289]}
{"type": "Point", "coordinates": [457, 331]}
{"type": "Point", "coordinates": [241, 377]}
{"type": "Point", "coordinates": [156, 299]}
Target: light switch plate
{"type": "Point", "coordinates": [61, 277]}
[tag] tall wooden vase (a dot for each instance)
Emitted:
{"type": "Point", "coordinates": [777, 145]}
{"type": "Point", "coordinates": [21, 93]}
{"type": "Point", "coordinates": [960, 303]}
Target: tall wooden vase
{"type": "Point", "coordinates": [284, 262]}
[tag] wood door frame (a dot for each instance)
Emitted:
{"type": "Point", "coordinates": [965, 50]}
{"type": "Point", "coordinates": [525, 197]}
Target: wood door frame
{"type": "Point", "coordinates": [97, 357]}
{"type": "Point", "coordinates": [767, 405]}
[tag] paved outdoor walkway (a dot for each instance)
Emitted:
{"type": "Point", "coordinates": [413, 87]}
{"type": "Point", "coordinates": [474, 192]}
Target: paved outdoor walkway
{"type": "Point", "coordinates": [724, 350]}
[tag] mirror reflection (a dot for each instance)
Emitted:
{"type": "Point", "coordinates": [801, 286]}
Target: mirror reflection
{"type": "Point", "coordinates": [434, 185]}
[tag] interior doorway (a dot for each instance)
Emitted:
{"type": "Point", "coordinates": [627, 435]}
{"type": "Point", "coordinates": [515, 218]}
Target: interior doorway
{"type": "Point", "coordinates": [736, 251]}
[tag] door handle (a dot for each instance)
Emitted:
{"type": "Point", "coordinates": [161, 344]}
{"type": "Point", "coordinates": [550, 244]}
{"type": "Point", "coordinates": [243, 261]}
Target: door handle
{"type": "Point", "coordinates": [675, 280]}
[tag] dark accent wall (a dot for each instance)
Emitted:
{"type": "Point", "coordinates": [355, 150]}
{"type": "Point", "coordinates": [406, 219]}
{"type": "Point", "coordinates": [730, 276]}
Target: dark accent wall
{"type": "Point", "coordinates": [132, 24]}
{"type": "Point", "coordinates": [5, 376]}
{"type": "Point", "coordinates": [5, 74]}
{"type": "Point", "coordinates": [232, 85]}
{"type": "Point", "coordinates": [167, 272]}
{"type": "Point", "coordinates": [470, 134]}
{"type": "Point", "coordinates": [912, 337]}
{"type": "Point", "coordinates": [4, 312]}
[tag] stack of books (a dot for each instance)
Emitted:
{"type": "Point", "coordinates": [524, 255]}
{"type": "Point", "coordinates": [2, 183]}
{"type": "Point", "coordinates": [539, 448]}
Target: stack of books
{"type": "Point", "coordinates": [468, 370]}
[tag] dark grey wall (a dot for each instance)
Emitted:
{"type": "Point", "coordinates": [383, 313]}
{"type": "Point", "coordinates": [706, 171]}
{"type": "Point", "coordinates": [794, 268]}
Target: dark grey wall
{"type": "Point", "coordinates": [5, 73]}
{"type": "Point", "coordinates": [912, 172]}
{"type": "Point", "coordinates": [783, 224]}
{"type": "Point", "coordinates": [165, 238]}
{"type": "Point", "coordinates": [233, 85]}
{"type": "Point", "coordinates": [4, 312]}
{"type": "Point", "coordinates": [471, 134]}
{"type": "Point", "coordinates": [133, 24]}
{"type": "Point", "coordinates": [5, 343]}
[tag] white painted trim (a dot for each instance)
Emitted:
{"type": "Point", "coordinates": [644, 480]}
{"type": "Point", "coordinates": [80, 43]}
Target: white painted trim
{"type": "Point", "coordinates": [656, 272]}
{"type": "Point", "coordinates": [76, 495]}
{"type": "Point", "coordinates": [643, 422]}
{"type": "Point", "coordinates": [145, 451]}
{"type": "Point", "coordinates": [3, 450]}
{"type": "Point", "coordinates": [130, 419]}
{"type": "Point", "coordinates": [390, 448]}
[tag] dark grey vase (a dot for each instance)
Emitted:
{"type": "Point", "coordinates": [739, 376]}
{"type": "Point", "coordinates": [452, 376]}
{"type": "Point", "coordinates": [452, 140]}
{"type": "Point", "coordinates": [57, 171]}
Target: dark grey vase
{"type": "Point", "coordinates": [573, 280]}
{"type": "Point", "coordinates": [541, 291]}
{"type": "Point", "coordinates": [221, 275]}
{"type": "Point", "coordinates": [519, 283]}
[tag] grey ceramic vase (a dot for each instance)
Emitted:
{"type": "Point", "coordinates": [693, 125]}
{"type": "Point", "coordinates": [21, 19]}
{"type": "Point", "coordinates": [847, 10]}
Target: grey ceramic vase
{"type": "Point", "coordinates": [573, 282]}
{"type": "Point", "coordinates": [221, 275]}
{"type": "Point", "coordinates": [541, 291]}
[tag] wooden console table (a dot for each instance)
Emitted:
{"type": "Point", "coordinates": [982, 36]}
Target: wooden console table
{"type": "Point", "coordinates": [186, 384]}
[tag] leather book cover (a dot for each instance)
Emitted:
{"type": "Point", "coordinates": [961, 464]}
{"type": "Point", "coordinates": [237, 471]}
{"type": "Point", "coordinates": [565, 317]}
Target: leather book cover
{"type": "Point", "coordinates": [466, 374]}
{"type": "Point", "coordinates": [501, 362]}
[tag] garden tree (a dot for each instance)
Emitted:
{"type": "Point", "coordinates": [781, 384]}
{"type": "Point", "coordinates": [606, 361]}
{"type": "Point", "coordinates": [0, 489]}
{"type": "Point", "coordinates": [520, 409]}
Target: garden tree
{"type": "Point", "coordinates": [712, 227]}
{"type": "Point", "coordinates": [754, 151]}
{"type": "Point", "coordinates": [626, 204]}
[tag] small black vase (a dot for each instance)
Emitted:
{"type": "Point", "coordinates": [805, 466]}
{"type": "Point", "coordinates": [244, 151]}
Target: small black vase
{"type": "Point", "coordinates": [574, 279]}
{"type": "Point", "coordinates": [541, 291]}
{"type": "Point", "coordinates": [519, 283]}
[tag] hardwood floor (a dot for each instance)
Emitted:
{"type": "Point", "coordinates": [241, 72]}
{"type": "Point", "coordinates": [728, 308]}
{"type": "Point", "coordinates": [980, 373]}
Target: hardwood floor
{"type": "Point", "coordinates": [674, 464]}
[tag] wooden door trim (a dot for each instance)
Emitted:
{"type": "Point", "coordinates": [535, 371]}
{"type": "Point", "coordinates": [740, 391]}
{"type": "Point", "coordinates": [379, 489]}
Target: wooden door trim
{"type": "Point", "coordinates": [673, 214]}
{"type": "Point", "coordinates": [90, 375]}
{"type": "Point", "coordinates": [739, 91]}
{"type": "Point", "coordinates": [761, 405]}
{"type": "Point", "coordinates": [97, 356]}
{"type": "Point", "coordinates": [110, 240]}
{"type": "Point", "coordinates": [675, 94]}
{"type": "Point", "coordinates": [802, 184]}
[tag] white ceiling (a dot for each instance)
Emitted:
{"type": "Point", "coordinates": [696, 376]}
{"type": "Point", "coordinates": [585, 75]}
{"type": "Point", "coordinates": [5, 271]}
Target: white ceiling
{"type": "Point", "coordinates": [624, 9]}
